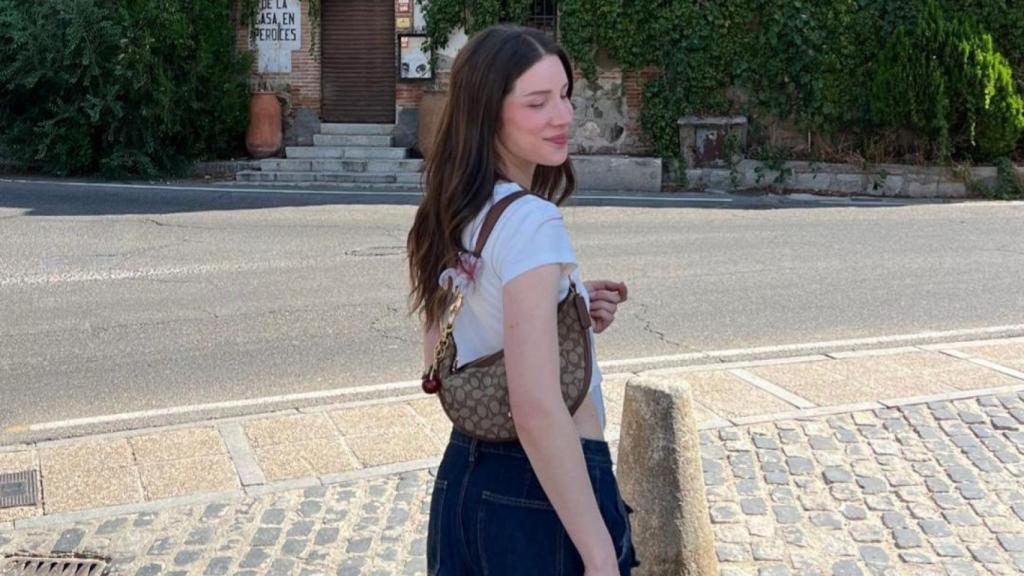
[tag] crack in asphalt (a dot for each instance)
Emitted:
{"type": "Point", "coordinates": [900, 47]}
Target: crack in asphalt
{"type": "Point", "coordinates": [391, 309]}
{"type": "Point", "coordinates": [156, 222]}
{"type": "Point", "coordinates": [136, 252]}
{"type": "Point", "coordinates": [649, 326]}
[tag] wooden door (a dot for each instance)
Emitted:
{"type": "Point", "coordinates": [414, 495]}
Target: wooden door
{"type": "Point", "coordinates": [357, 61]}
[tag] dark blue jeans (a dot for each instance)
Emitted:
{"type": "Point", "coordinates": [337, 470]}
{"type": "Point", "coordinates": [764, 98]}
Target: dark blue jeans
{"type": "Point", "coordinates": [489, 515]}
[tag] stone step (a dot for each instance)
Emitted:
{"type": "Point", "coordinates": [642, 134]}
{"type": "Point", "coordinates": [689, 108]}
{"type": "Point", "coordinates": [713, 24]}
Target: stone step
{"type": "Point", "coordinates": [258, 176]}
{"type": "Point", "coordinates": [351, 140]}
{"type": "Point", "coordinates": [360, 152]}
{"type": "Point", "coordinates": [346, 165]}
{"type": "Point", "coordinates": [358, 129]}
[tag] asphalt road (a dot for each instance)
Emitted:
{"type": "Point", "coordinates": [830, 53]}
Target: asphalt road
{"type": "Point", "coordinates": [127, 298]}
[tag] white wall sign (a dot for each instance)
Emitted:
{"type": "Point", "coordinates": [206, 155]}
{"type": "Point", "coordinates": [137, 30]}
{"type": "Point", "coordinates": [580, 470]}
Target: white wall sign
{"type": "Point", "coordinates": [419, 22]}
{"type": "Point", "coordinates": [278, 32]}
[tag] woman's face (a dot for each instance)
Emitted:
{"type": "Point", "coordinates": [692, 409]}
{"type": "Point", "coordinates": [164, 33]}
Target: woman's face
{"type": "Point", "coordinates": [536, 116]}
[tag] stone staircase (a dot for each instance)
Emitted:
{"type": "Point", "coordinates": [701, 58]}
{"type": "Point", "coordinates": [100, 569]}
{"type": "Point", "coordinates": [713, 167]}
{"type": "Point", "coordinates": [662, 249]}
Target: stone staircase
{"type": "Point", "coordinates": [361, 156]}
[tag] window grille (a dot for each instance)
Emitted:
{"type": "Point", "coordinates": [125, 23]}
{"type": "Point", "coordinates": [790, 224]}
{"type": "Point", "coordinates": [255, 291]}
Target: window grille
{"type": "Point", "coordinates": [544, 16]}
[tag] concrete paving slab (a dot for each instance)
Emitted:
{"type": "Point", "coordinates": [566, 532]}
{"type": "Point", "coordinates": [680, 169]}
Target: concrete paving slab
{"type": "Point", "coordinates": [926, 362]}
{"type": "Point", "coordinates": [11, 462]}
{"type": "Point", "coordinates": [1010, 354]}
{"type": "Point", "coordinates": [294, 429]}
{"type": "Point", "coordinates": [705, 417]}
{"type": "Point", "coordinates": [90, 452]}
{"type": "Point", "coordinates": [89, 474]}
{"type": "Point", "coordinates": [430, 410]}
{"type": "Point", "coordinates": [374, 419]}
{"type": "Point", "coordinates": [177, 445]}
{"type": "Point", "coordinates": [317, 457]}
{"type": "Point", "coordinates": [18, 461]}
{"type": "Point", "coordinates": [971, 376]}
{"type": "Point", "coordinates": [188, 476]}
{"type": "Point", "coordinates": [854, 380]}
{"type": "Point", "coordinates": [396, 446]}
{"type": "Point", "coordinates": [731, 397]}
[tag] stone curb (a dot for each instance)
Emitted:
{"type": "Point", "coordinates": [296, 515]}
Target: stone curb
{"type": "Point", "coordinates": [240, 437]}
{"type": "Point", "coordinates": [95, 513]}
{"type": "Point", "coordinates": [217, 497]}
{"type": "Point", "coordinates": [882, 180]}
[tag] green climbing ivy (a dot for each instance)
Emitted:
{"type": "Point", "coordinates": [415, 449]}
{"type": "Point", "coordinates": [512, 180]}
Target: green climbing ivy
{"type": "Point", "coordinates": [809, 63]}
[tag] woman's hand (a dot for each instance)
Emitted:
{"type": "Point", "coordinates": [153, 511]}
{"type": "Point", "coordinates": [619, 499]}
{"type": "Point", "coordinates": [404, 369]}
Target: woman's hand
{"type": "Point", "coordinates": [605, 297]}
{"type": "Point", "coordinates": [606, 566]}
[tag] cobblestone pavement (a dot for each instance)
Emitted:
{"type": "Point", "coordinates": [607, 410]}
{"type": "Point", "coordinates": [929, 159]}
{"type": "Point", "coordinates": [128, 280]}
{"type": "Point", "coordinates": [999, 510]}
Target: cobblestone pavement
{"type": "Point", "coordinates": [370, 527]}
{"type": "Point", "coordinates": [924, 489]}
{"type": "Point", "coordinates": [932, 488]}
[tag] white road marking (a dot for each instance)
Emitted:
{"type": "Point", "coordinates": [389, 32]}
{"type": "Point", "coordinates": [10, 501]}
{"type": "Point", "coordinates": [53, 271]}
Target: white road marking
{"type": "Point", "coordinates": [178, 410]}
{"type": "Point", "coordinates": [834, 344]}
{"type": "Point", "coordinates": [408, 386]}
{"type": "Point", "coordinates": [122, 274]}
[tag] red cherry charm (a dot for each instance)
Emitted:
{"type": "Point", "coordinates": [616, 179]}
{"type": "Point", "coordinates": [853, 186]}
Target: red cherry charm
{"type": "Point", "coordinates": [431, 384]}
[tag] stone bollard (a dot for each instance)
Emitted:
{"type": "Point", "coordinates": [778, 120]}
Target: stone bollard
{"type": "Point", "coordinates": [660, 474]}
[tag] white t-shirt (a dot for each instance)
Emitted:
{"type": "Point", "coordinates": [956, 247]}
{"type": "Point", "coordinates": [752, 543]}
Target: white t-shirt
{"type": "Point", "coordinates": [530, 233]}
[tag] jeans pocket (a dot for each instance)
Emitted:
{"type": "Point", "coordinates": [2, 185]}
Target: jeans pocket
{"type": "Point", "coordinates": [518, 536]}
{"type": "Point", "coordinates": [435, 526]}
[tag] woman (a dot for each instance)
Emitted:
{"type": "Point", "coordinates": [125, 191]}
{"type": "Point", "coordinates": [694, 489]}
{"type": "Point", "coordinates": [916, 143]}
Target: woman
{"type": "Point", "coordinates": [547, 503]}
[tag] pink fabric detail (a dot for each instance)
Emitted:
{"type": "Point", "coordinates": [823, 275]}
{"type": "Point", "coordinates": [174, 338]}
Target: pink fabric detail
{"type": "Point", "coordinates": [463, 275]}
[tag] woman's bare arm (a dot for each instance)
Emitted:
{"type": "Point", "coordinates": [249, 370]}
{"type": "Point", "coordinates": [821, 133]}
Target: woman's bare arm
{"type": "Point", "coordinates": [543, 423]}
{"type": "Point", "coordinates": [431, 334]}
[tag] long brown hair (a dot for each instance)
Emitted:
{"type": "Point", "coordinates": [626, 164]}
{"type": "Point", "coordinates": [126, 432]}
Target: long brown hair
{"type": "Point", "coordinates": [462, 169]}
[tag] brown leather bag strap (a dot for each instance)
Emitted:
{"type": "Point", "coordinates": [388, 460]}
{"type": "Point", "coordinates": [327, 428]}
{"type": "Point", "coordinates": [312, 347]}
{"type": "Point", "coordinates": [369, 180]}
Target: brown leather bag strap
{"type": "Point", "coordinates": [492, 218]}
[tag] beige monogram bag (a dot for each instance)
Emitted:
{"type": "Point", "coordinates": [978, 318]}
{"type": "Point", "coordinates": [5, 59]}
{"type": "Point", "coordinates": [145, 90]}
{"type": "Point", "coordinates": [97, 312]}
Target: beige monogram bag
{"type": "Point", "coordinates": [475, 396]}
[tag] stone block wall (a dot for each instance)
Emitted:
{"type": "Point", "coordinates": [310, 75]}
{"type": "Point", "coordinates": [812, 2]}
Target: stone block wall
{"type": "Point", "coordinates": [880, 180]}
{"type": "Point", "coordinates": [608, 112]}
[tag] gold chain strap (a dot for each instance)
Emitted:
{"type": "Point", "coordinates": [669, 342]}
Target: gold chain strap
{"type": "Point", "coordinates": [441, 348]}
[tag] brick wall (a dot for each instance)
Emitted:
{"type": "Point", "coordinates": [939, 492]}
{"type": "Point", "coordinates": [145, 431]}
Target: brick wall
{"type": "Point", "coordinates": [304, 80]}
{"type": "Point", "coordinates": [305, 91]}
{"type": "Point", "coordinates": [633, 84]}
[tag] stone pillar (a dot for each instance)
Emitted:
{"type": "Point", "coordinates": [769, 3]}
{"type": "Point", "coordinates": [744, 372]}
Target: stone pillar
{"type": "Point", "coordinates": [659, 470]}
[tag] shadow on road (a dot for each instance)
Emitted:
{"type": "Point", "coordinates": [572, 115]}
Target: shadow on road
{"type": "Point", "coordinates": [83, 198]}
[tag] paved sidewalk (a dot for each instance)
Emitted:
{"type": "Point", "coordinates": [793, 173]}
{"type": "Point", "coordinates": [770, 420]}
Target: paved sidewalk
{"type": "Point", "coordinates": [902, 461]}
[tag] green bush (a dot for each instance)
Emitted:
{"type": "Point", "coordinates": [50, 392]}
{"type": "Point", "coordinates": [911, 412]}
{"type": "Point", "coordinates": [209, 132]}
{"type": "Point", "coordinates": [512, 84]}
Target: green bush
{"type": "Point", "coordinates": [944, 80]}
{"type": "Point", "coordinates": [1009, 186]}
{"type": "Point", "coordinates": [120, 88]}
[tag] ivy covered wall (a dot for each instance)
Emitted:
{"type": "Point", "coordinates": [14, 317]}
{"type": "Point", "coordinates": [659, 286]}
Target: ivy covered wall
{"type": "Point", "coordinates": [804, 71]}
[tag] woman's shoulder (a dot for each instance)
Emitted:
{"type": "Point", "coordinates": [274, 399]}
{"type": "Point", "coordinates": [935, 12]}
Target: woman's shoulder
{"type": "Point", "coordinates": [527, 209]}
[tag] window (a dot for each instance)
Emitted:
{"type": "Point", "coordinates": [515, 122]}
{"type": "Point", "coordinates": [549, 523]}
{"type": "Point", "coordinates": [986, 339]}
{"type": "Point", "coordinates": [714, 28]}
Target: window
{"type": "Point", "coordinates": [541, 14]}
{"type": "Point", "coordinates": [544, 16]}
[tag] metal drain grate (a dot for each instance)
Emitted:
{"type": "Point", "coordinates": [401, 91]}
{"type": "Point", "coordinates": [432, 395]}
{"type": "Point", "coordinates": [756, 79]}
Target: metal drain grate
{"type": "Point", "coordinates": [29, 566]}
{"type": "Point", "coordinates": [18, 489]}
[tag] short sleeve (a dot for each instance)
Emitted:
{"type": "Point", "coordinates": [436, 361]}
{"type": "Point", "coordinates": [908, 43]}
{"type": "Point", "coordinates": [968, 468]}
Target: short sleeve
{"type": "Point", "coordinates": [528, 236]}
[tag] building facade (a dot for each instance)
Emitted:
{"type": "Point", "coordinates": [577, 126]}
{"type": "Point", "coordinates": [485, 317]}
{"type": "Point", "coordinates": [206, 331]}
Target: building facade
{"type": "Point", "coordinates": [367, 68]}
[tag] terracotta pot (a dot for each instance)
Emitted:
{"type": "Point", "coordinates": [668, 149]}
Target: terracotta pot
{"type": "Point", "coordinates": [429, 119]}
{"type": "Point", "coordinates": [263, 138]}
